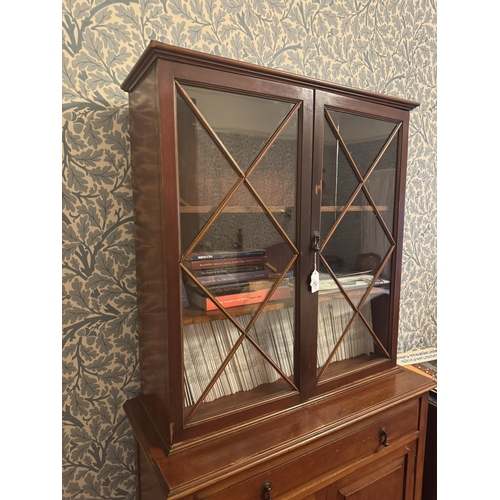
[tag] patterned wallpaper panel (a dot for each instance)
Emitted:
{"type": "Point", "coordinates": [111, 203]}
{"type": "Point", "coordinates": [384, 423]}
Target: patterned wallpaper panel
{"type": "Point", "coordinates": [387, 46]}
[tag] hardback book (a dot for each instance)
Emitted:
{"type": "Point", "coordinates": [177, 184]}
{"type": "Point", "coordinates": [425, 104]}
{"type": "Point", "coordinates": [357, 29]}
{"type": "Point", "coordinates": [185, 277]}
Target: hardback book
{"type": "Point", "coordinates": [220, 279]}
{"type": "Point", "coordinates": [238, 299]}
{"type": "Point", "coordinates": [232, 262]}
{"type": "Point", "coordinates": [229, 289]}
{"type": "Point", "coordinates": [354, 281]}
{"type": "Point", "coordinates": [226, 255]}
{"type": "Point", "coordinates": [228, 270]}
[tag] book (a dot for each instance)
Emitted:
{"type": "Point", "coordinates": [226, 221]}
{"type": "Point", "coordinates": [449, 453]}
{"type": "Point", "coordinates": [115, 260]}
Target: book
{"type": "Point", "coordinates": [238, 299]}
{"type": "Point", "coordinates": [223, 289]}
{"type": "Point", "coordinates": [221, 279]}
{"type": "Point", "coordinates": [226, 254]}
{"type": "Point", "coordinates": [217, 289]}
{"type": "Point", "coordinates": [417, 356]}
{"type": "Point", "coordinates": [247, 369]}
{"type": "Point", "coordinates": [354, 281]}
{"type": "Point", "coordinates": [228, 270]}
{"type": "Point", "coordinates": [232, 262]}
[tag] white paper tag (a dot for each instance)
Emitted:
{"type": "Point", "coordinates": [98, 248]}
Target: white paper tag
{"type": "Point", "coordinates": [314, 281]}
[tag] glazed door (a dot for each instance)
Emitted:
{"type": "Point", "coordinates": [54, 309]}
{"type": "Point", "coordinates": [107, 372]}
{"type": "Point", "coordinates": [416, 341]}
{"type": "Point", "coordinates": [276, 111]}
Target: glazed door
{"type": "Point", "coordinates": [242, 152]}
{"type": "Point", "coordinates": [357, 163]}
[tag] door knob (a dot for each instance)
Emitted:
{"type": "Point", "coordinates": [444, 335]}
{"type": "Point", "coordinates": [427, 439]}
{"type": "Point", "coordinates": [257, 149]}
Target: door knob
{"type": "Point", "coordinates": [384, 436]}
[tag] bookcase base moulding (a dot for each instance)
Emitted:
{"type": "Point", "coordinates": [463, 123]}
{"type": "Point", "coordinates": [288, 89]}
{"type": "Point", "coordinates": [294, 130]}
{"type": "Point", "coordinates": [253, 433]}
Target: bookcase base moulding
{"type": "Point", "coordinates": [268, 212]}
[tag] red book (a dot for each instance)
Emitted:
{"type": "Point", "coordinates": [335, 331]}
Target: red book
{"type": "Point", "coordinates": [195, 265]}
{"type": "Point", "coordinates": [239, 299]}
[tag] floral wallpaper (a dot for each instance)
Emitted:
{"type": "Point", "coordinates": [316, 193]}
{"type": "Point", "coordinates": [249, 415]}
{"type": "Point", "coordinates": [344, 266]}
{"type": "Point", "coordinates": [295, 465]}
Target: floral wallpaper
{"type": "Point", "coordinates": [386, 46]}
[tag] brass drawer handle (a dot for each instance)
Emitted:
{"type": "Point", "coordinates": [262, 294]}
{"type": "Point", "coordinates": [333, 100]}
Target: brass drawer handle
{"type": "Point", "coordinates": [266, 491]}
{"type": "Point", "coordinates": [384, 436]}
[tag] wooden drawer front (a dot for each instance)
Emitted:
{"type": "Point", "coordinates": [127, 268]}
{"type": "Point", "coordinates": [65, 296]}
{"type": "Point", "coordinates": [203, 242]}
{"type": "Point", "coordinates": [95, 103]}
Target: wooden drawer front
{"type": "Point", "coordinates": [323, 462]}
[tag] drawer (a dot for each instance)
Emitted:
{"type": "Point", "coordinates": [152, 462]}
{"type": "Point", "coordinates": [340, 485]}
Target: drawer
{"type": "Point", "coordinates": [320, 463]}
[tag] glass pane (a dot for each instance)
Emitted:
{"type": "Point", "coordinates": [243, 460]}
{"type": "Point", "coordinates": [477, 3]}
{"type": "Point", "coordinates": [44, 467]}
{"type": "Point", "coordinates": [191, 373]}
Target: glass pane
{"type": "Point", "coordinates": [339, 180]}
{"type": "Point", "coordinates": [381, 184]}
{"type": "Point", "coordinates": [199, 157]}
{"type": "Point", "coordinates": [364, 137]}
{"type": "Point", "coordinates": [238, 227]}
{"type": "Point", "coordinates": [243, 123]}
{"type": "Point", "coordinates": [338, 185]}
{"type": "Point", "coordinates": [275, 178]}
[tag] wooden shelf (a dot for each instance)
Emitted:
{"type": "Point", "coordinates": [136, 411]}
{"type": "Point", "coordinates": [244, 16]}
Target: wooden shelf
{"type": "Point", "coordinates": [193, 315]}
{"type": "Point", "coordinates": [335, 295]}
{"type": "Point", "coordinates": [231, 209]}
{"type": "Point", "coordinates": [354, 208]}
{"type": "Point", "coordinates": [265, 392]}
{"type": "Point", "coordinates": [350, 365]}
{"type": "Point", "coordinates": [276, 209]}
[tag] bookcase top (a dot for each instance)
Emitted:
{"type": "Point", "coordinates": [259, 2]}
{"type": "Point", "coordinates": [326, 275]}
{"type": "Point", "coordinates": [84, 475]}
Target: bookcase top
{"type": "Point", "coordinates": [158, 50]}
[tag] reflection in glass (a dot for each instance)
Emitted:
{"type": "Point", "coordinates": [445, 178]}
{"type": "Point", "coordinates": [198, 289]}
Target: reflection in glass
{"type": "Point", "coordinates": [243, 123]}
{"type": "Point", "coordinates": [381, 186]}
{"type": "Point", "coordinates": [244, 225]}
{"type": "Point", "coordinates": [364, 137]}
{"type": "Point", "coordinates": [199, 158]}
{"type": "Point", "coordinates": [339, 180]}
{"type": "Point", "coordinates": [349, 245]}
{"type": "Point", "coordinates": [275, 177]}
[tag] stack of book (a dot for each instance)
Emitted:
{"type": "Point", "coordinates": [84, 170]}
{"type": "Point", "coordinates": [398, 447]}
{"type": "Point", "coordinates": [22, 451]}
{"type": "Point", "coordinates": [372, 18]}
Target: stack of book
{"type": "Point", "coordinates": [207, 344]}
{"type": "Point", "coordinates": [233, 278]}
{"type": "Point", "coordinates": [238, 278]}
{"type": "Point", "coordinates": [333, 318]}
